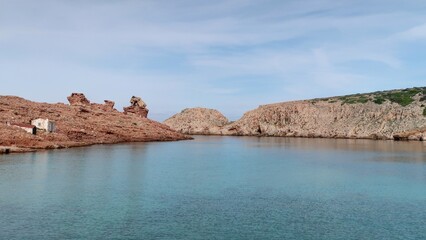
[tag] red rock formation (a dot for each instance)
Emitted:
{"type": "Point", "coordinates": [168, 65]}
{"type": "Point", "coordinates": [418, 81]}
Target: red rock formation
{"type": "Point", "coordinates": [109, 105]}
{"type": "Point", "coordinates": [138, 107]}
{"type": "Point", "coordinates": [136, 110]}
{"type": "Point", "coordinates": [76, 126]}
{"type": "Point", "coordinates": [137, 101]}
{"type": "Point", "coordinates": [78, 99]}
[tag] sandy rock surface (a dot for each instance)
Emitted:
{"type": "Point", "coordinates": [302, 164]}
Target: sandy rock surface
{"type": "Point", "coordinates": [329, 120]}
{"type": "Point", "coordinates": [396, 114]}
{"type": "Point", "coordinates": [202, 121]}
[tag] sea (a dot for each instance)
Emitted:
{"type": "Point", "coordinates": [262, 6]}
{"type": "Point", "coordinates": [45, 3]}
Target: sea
{"type": "Point", "coordinates": [216, 187]}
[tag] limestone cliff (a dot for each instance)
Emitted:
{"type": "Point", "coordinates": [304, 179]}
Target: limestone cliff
{"type": "Point", "coordinates": [396, 114]}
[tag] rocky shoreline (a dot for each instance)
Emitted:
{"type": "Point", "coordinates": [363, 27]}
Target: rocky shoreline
{"type": "Point", "coordinates": [77, 124]}
{"type": "Point", "coordinates": [388, 115]}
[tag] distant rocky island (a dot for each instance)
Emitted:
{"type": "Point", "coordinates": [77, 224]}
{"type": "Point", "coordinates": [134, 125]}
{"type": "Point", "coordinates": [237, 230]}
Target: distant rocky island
{"type": "Point", "coordinates": [27, 125]}
{"type": "Point", "coordinates": [391, 115]}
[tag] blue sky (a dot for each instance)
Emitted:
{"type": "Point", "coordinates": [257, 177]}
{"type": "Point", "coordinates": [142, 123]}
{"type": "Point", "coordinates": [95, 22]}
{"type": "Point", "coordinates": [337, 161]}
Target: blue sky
{"type": "Point", "coordinates": [227, 55]}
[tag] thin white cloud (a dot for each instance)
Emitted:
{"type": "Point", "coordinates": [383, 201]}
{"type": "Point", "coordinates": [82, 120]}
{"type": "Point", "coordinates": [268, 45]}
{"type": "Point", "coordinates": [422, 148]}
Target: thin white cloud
{"type": "Point", "coordinates": [415, 33]}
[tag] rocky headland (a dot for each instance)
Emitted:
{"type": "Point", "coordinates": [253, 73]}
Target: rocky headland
{"type": "Point", "coordinates": [395, 114]}
{"type": "Point", "coordinates": [202, 121]}
{"type": "Point", "coordinates": [79, 123]}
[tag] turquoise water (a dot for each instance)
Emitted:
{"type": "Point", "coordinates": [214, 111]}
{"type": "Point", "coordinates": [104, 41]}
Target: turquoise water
{"type": "Point", "coordinates": [217, 188]}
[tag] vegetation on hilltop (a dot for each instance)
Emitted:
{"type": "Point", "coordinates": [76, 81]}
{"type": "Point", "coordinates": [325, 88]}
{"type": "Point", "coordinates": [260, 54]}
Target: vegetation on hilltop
{"type": "Point", "coordinates": [402, 97]}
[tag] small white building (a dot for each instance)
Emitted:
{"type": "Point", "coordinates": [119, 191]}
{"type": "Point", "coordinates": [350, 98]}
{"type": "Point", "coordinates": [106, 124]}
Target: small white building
{"type": "Point", "coordinates": [27, 127]}
{"type": "Point", "coordinates": [44, 124]}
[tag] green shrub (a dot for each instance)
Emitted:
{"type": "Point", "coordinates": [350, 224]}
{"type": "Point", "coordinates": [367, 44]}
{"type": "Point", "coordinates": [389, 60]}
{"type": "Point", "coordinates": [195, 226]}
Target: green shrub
{"type": "Point", "coordinates": [424, 112]}
{"type": "Point", "coordinates": [362, 99]}
{"type": "Point", "coordinates": [379, 100]}
{"type": "Point", "coordinates": [402, 97]}
{"type": "Point", "coordinates": [352, 99]}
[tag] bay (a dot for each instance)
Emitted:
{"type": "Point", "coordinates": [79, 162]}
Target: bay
{"type": "Point", "coordinates": [217, 188]}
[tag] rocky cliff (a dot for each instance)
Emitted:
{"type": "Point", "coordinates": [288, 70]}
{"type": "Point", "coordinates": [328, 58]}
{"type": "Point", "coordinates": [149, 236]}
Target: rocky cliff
{"type": "Point", "coordinates": [78, 124]}
{"type": "Point", "coordinates": [197, 121]}
{"type": "Point", "coordinates": [396, 114]}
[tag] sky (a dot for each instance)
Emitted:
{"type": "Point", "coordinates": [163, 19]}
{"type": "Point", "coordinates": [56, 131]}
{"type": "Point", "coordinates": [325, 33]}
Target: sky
{"type": "Point", "coordinates": [230, 55]}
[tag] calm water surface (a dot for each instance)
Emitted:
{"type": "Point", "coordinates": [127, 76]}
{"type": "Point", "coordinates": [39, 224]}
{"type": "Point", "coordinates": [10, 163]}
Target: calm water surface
{"type": "Point", "coordinates": [218, 188]}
